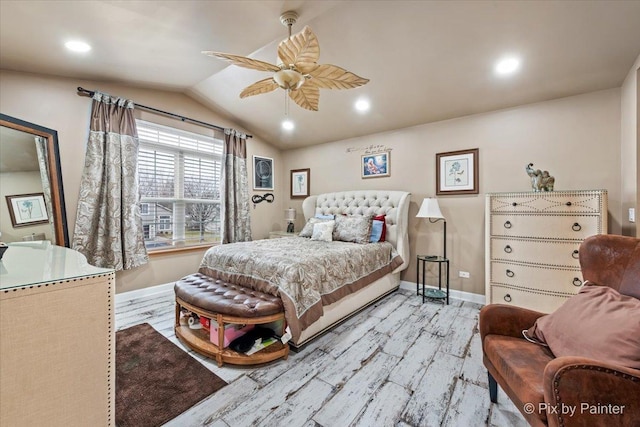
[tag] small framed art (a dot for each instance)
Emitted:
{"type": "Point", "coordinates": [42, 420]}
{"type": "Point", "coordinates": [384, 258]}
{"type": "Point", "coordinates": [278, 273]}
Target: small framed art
{"type": "Point", "coordinates": [27, 209]}
{"type": "Point", "coordinates": [375, 165]}
{"type": "Point", "coordinates": [457, 172]}
{"type": "Point", "coordinates": [300, 183]}
{"type": "Point", "coordinates": [262, 173]}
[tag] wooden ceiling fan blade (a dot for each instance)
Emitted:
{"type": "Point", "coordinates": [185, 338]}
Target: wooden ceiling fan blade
{"type": "Point", "coordinates": [243, 61]}
{"type": "Point", "coordinates": [301, 49]}
{"type": "Point", "coordinates": [306, 67]}
{"type": "Point", "coordinates": [307, 97]}
{"type": "Point", "coordinates": [329, 76]}
{"type": "Point", "coordinates": [263, 86]}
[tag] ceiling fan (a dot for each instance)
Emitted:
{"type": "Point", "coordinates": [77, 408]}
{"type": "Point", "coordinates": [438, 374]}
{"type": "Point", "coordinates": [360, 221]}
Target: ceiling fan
{"type": "Point", "coordinates": [298, 71]}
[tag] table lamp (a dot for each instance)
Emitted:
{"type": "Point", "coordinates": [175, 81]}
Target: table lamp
{"type": "Point", "coordinates": [430, 209]}
{"type": "Point", "coordinates": [290, 217]}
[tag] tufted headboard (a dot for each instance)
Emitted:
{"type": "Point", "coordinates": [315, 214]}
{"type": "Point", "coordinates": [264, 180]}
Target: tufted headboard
{"type": "Point", "coordinates": [394, 204]}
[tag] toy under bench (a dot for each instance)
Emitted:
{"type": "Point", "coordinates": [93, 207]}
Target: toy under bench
{"type": "Point", "coordinates": [226, 303]}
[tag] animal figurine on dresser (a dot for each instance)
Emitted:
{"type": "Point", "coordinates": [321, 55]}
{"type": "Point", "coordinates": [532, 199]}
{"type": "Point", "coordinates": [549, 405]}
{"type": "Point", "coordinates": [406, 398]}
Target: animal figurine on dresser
{"type": "Point", "coordinates": [540, 181]}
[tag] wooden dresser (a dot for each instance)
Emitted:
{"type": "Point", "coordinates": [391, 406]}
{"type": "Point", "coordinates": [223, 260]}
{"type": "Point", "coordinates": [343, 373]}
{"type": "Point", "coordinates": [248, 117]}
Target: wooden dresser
{"type": "Point", "coordinates": [532, 242]}
{"type": "Point", "coordinates": [57, 339]}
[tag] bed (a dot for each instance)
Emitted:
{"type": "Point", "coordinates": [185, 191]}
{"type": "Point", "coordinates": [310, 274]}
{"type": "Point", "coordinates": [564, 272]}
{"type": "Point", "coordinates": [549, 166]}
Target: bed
{"type": "Point", "coordinates": [322, 283]}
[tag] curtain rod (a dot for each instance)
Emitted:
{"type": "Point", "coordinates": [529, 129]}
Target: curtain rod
{"type": "Point", "coordinates": [166, 113]}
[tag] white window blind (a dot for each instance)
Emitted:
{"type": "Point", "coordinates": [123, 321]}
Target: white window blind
{"type": "Point", "coordinates": [179, 180]}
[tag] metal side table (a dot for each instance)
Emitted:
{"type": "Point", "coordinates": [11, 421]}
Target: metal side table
{"type": "Point", "coordinates": [431, 293]}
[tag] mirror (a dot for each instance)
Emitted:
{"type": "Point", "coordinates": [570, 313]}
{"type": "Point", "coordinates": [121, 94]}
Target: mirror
{"type": "Point", "coordinates": [30, 184]}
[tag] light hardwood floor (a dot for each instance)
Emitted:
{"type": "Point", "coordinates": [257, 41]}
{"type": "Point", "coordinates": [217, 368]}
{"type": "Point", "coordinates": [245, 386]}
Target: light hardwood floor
{"type": "Point", "coordinates": [398, 363]}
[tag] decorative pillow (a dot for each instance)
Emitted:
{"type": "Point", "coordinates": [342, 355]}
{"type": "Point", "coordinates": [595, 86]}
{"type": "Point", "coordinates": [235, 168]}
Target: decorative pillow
{"type": "Point", "coordinates": [376, 231]}
{"type": "Point", "coordinates": [320, 216]}
{"type": "Point", "coordinates": [384, 226]}
{"type": "Point", "coordinates": [323, 231]}
{"type": "Point", "coordinates": [598, 323]}
{"type": "Point", "coordinates": [307, 230]}
{"type": "Point", "coordinates": [354, 228]}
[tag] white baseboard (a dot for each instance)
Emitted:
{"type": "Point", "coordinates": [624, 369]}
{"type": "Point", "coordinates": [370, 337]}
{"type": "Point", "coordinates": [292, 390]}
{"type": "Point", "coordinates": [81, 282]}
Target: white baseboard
{"type": "Point", "coordinates": [168, 287]}
{"type": "Point", "coordinates": [144, 292]}
{"type": "Point", "coordinates": [453, 293]}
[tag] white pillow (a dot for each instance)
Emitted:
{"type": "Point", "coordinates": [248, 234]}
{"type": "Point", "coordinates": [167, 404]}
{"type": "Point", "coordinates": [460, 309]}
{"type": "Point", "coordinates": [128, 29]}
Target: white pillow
{"type": "Point", "coordinates": [323, 231]}
{"type": "Point", "coordinates": [307, 230]}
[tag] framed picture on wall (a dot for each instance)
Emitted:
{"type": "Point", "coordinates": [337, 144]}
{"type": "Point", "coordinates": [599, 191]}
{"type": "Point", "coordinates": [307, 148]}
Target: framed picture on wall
{"type": "Point", "coordinates": [27, 209]}
{"type": "Point", "coordinates": [375, 165]}
{"type": "Point", "coordinates": [457, 172]}
{"type": "Point", "coordinates": [262, 173]}
{"type": "Point", "coordinates": [300, 183]}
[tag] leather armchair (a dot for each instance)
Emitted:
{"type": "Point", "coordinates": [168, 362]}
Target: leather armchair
{"type": "Point", "coordinates": [566, 391]}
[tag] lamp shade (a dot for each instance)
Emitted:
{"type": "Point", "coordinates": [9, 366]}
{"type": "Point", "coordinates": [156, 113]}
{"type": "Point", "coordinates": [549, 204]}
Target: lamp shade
{"type": "Point", "coordinates": [430, 209]}
{"type": "Point", "coordinates": [290, 214]}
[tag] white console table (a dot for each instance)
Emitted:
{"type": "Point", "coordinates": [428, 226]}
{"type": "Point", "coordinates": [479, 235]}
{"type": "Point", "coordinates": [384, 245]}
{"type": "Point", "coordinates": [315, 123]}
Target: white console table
{"type": "Point", "coordinates": [57, 338]}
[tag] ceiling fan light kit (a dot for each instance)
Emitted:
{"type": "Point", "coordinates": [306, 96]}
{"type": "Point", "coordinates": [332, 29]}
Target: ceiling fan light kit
{"type": "Point", "coordinates": [298, 71]}
{"type": "Point", "coordinates": [288, 79]}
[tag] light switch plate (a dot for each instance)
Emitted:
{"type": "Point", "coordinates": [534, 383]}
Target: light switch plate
{"type": "Point", "coordinates": [632, 215]}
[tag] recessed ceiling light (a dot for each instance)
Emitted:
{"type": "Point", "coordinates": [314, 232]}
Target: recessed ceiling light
{"type": "Point", "coordinates": [507, 66]}
{"type": "Point", "coordinates": [362, 105]}
{"type": "Point", "coordinates": [77, 46]}
{"type": "Point", "coordinates": [287, 125]}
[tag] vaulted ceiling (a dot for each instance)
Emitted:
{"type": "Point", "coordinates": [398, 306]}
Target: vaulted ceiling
{"type": "Point", "coordinates": [426, 60]}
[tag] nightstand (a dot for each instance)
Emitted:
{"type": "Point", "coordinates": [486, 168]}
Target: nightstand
{"type": "Point", "coordinates": [432, 293]}
{"type": "Point", "coordinates": [280, 234]}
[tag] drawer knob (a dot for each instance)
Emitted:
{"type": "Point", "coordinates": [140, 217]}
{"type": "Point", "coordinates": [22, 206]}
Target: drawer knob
{"type": "Point", "coordinates": [514, 204]}
{"type": "Point", "coordinates": [507, 224]}
{"type": "Point", "coordinates": [575, 254]}
{"type": "Point", "coordinates": [508, 249]}
{"type": "Point", "coordinates": [510, 273]}
{"type": "Point", "coordinates": [577, 282]}
{"type": "Point", "coordinates": [507, 298]}
{"type": "Point", "coordinates": [568, 203]}
{"type": "Point", "coordinates": [576, 227]}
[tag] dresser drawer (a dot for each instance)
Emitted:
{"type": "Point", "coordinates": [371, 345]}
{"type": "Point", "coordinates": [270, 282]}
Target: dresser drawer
{"type": "Point", "coordinates": [557, 202]}
{"type": "Point", "coordinates": [547, 252]}
{"type": "Point", "coordinates": [555, 280]}
{"type": "Point", "coordinates": [573, 227]}
{"type": "Point", "coordinates": [538, 301]}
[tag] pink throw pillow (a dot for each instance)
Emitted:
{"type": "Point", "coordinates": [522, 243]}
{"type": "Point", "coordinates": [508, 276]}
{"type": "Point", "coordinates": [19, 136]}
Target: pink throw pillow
{"type": "Point", "coordinates": [598, 323]}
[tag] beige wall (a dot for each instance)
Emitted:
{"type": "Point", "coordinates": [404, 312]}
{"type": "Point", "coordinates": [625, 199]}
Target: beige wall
{"type": "Point", "coordinates": [52, 102]}
{"type": "Point", "coordinates": [577, 139]}
{"type": "Point", "coordinates": [630, 147]}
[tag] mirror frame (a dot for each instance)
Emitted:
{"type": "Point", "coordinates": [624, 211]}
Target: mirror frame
{"type": "Point", "coordinates": [55, 173]}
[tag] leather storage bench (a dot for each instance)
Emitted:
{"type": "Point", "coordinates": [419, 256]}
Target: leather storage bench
{"type": "Point", "coordinates": [226, 303]}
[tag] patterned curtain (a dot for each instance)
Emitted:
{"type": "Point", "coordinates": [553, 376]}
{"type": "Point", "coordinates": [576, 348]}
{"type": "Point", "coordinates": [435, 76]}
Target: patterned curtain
{"type": "Point", "coordinates": [236, 219]}
{"type": "Point", "coordinates": [43, 162]}
{"type": "Point", "coordinates": [108, 227]}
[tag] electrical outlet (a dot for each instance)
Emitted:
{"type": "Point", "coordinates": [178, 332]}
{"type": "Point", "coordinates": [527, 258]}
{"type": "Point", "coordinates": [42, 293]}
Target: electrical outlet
{"type": "Point", "coordinates": [632, 215]}
{"type": "Point", "coordinates": [464, 274]}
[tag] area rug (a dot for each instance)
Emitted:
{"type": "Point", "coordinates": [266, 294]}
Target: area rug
{"type": "Point", "coordinates": [156, 380]}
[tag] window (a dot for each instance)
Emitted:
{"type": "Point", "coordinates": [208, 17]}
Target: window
{"type": "Point", "coordinates": [165, 222]}
{"type": "Point", "coordinates": [179, 183]}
